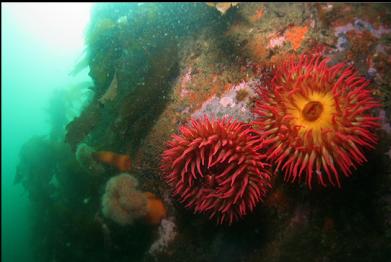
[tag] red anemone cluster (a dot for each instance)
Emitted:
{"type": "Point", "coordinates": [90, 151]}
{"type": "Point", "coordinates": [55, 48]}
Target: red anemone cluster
{"type": "Point", "coordinates": [313, 121]}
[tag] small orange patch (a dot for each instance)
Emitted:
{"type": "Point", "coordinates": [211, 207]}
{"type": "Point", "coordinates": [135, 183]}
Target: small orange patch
{"type": "Point", "coordinates": [257, 47]}
{"type": "Point", "coordinates": [156, 209]}
{"type": "Point", "coordinates": [257, 16]}
{"type": "Point", "coordinates": [121, 162]}
{"type": "Point", "coordinates": [295, 35]}
{"type": "Point", "coordinates": [227, 86]}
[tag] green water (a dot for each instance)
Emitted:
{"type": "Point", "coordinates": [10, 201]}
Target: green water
{"type": "Point", "coordinates": [35, 62]}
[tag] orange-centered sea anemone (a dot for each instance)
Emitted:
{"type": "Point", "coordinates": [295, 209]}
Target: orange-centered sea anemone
{"type": "Point", "coordinates": [316, 120]}
{"type": "Point", "coordinates": [215, 167]}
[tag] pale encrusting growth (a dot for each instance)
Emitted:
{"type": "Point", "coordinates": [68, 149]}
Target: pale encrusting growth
{"type": "Point", "coordinates": [167, 233]}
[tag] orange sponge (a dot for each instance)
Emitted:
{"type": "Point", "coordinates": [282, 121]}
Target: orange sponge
{"type": "Point", "coordinates": [155, 209]}
{"type": "Point", "coordinates": [121, 162]}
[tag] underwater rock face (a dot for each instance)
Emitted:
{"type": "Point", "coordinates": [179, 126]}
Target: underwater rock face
{"type": "Point", "coordinates": [157, 67]}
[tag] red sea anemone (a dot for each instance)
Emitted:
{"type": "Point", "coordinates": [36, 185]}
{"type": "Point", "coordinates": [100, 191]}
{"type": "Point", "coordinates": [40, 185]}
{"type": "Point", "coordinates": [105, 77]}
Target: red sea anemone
{"type": "Point", "coordinates": [215, 167]}
{"type": "Point", "coordinates": [315, 120]}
